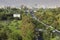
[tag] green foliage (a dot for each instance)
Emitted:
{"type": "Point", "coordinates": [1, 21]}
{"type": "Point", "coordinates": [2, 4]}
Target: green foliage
{"type": "Point", "coordinates": [9, 29]}
{"type": "Point", "coordinates": [25, 28]}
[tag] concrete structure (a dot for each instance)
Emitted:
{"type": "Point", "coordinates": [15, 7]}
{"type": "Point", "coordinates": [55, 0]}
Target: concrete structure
{"type": "Point", "coordinates": [16, 15]}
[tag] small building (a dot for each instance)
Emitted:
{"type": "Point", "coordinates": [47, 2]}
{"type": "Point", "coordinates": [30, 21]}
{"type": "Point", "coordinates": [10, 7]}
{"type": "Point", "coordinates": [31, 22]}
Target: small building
{"type": "Point", "coordinates": [15, 16]}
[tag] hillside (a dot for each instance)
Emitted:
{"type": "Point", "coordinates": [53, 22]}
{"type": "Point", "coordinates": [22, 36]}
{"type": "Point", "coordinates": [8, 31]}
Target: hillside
{"type": "Point", "coordinates": [24, 29]}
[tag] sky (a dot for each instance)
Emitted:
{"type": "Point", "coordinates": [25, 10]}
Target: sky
{"type": "Point", "coordinates": [30, 3]}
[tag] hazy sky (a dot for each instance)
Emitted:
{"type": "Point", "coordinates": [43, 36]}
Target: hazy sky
{"type": "Point", "coordinates": [17, 3]}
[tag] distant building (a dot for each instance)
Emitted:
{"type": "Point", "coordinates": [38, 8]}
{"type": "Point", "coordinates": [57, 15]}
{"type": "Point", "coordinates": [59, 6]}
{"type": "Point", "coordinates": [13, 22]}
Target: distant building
{"type": "Point", "coordinates": [16, 15]}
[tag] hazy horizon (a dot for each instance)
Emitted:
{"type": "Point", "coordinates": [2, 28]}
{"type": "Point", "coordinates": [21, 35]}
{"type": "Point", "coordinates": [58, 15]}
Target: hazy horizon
{"type": "Point", "coordinates": [30, 3]}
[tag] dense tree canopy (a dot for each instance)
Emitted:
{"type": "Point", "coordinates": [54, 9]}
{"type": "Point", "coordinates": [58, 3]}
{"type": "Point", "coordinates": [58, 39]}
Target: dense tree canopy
{"type": "Point", "coordinates": [24, 29]}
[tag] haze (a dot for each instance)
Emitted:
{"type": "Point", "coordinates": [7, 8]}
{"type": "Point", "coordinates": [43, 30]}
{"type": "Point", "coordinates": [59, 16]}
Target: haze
{"type": "Point", "coordinates": [31, 3]}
